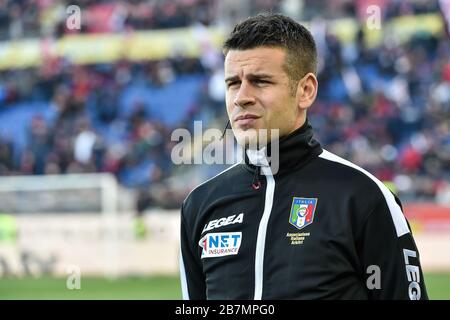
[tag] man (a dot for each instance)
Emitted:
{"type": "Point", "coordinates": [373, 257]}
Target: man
{"type": "Point", "coordinates": [320, 227]}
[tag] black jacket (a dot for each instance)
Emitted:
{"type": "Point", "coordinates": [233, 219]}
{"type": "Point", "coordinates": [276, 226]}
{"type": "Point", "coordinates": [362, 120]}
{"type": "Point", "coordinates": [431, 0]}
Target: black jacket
{"type": "Point", "coordinates": [320, 228]}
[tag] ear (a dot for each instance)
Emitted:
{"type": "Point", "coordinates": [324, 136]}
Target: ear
{"type": "Point", "coordinates": [307, 91]}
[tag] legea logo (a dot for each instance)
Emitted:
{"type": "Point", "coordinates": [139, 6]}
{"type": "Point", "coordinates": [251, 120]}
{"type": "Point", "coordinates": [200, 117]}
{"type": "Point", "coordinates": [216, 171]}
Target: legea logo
{"type": "Point", "coordinates": [217, 223]}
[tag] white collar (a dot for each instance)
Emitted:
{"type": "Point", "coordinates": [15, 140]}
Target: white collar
{"type": "Point", "coordinates": [258, 157]}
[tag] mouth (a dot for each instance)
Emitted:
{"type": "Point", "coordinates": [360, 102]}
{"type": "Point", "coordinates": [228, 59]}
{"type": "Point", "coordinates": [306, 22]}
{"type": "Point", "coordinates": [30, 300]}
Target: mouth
{"type": "Point", "coordinates": [246, 119]}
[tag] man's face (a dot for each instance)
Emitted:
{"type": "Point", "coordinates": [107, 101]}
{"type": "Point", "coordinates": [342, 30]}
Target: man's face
{"type": "Point", "coordinates": [258, 94]}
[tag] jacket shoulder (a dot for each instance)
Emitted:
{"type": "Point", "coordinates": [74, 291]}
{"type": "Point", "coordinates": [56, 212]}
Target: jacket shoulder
{"type": "Point", "coordinates": [368, 192]}
{"type": "Point", "coordinates": [350, 176]}
{"type": "Point", "coordinates": [207, 190]}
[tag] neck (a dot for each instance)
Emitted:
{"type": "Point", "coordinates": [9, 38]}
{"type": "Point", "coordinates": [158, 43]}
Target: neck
{"type": "Point", "coordinates": [290, 151]}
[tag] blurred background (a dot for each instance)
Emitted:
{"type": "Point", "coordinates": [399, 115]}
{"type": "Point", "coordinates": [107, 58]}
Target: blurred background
{"type": "Point", "coordinates": [91, 91]}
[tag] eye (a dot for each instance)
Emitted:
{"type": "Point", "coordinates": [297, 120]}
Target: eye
{"type": "Point", "coordinates": [261, 82]}
{"type": "Point", "coordinates": [232, 83]}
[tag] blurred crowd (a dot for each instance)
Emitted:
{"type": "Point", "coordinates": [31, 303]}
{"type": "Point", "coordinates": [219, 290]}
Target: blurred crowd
{"type": "Point", "coordinates": [43, 18]}
{"type": "Point", "coordinates": [385, 108]}
{"type": "Point", "coordinates": [37, 18]}
{"type": "Point", "coordinates": [82, 127]}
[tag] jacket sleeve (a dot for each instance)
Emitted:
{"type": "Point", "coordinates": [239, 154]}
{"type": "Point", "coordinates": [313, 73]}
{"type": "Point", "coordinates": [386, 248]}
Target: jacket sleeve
{"type": "Point", "coordinates": [389, 255]}
{"type": "Point", "coordinates": [191, 273]}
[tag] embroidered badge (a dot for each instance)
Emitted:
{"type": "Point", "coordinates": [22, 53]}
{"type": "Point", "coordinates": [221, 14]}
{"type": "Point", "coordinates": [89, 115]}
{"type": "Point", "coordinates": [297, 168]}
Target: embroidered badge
{"type": "Point", "coordinates": [302, 212]}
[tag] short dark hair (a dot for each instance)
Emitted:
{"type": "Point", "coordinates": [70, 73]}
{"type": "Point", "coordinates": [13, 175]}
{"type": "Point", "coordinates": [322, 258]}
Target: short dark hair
{"type": "Point", "coordinates": [277, 30]}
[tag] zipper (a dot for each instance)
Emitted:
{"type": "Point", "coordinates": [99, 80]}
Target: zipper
{"type": "Point", "coordinates": [262, 230]}
{"type": "Point", "coordinates": [256, 183]}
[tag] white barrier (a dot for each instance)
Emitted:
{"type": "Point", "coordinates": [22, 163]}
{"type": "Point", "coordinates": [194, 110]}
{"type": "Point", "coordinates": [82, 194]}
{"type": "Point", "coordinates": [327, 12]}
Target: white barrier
{"type": "Point", "coordinates": [434, 249]}
{"type": "Point", "coordinates": [52, 243]}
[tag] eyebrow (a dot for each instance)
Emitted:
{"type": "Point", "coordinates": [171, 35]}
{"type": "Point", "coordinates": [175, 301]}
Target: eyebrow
{"type": "Point", "coordinates": [251, 76]}
{"type": "Point", "coordinates": [231, 78]}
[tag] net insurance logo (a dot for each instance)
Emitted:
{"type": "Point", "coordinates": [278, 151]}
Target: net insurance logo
{"type": "Point", "coordinates": [220, 244]}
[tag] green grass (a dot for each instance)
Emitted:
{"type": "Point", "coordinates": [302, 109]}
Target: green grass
{"type": "Point", "coordinates": [138, 288]}
{"type": "Point", "coordinates": [438, 286]}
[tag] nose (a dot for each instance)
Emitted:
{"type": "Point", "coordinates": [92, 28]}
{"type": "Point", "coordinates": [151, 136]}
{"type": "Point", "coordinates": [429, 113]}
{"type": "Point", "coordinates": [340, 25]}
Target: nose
{"type": "Point", "coordinates": [244, 96]}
